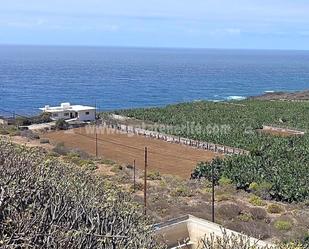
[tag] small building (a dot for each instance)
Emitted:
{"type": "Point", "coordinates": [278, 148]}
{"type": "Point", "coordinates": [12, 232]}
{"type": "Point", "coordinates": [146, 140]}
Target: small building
{"type": "Point", "coordinates": [71, 112]}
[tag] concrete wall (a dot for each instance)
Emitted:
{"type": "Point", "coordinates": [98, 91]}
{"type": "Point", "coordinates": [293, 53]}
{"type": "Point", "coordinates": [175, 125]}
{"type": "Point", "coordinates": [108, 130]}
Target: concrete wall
{"type": "Point", "coordinates": [82, 116]}
{"type": "Point", "coordinates": [60, 115]}
{"type": "Point", "coordinates": [178, 140]}
{"type": "Point", "coordinates": [193, 229]}
{"type": "Point", "coordinates": [175, 234]}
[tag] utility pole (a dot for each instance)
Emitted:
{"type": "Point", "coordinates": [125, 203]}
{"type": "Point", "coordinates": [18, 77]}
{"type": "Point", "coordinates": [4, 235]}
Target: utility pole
{"type": "Point", "coordinates": [96, 142]}
{"type": "Point", "coordinates": [145, 182]}
{"type": "Point", "coordinates": [213, 193]}
{"type": "Point", "coordinates": [134, 177]}
{"type": "Point", "coordinates": [95, 130]}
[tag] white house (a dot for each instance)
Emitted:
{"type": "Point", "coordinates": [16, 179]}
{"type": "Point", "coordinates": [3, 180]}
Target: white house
{"type": "Point", "coordinates": [71, 112]}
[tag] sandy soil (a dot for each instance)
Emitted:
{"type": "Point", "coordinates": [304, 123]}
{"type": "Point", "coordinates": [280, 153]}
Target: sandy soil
{"type": "Point", "coordinates": [162, 156]}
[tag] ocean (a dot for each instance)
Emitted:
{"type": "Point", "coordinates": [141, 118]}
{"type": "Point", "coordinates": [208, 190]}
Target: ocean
{"type": "Point", "coordinates": [117, 78]}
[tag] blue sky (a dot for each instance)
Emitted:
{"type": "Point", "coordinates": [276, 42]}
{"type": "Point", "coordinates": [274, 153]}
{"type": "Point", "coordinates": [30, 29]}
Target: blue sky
{"type": "Point", "coordinates": [258, 24]}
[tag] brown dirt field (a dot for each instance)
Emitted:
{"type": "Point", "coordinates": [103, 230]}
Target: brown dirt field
{"type": "Point", "coordinates": [164, 157]}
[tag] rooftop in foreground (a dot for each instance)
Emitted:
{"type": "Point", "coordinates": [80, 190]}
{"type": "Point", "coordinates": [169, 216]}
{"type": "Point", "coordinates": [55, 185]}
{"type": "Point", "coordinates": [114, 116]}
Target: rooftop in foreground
{"type": "Point", "coordinates": [188, 232]}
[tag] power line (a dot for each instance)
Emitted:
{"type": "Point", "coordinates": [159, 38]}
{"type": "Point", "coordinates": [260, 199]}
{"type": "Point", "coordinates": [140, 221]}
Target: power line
{"type": "Point", "coordinates": [176, 157]}
{"type": "Point", "coordinates": [136, 148]}
{"type": "Point", "coordinates": [112, 142]}
{"type": "Point", "coordinates": [13, 113]}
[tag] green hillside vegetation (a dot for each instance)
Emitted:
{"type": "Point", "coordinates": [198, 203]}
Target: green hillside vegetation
{"type": "Point", "coordinates": [45, 203]}
{"type": "Point", "coordinates": [243, 117]}
{"type": "Point", "coordinates": [280, 163]}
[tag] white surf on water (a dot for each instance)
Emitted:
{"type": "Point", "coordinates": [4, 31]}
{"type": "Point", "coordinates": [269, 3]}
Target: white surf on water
{"type": "Point", "coordinates": [236, 98]}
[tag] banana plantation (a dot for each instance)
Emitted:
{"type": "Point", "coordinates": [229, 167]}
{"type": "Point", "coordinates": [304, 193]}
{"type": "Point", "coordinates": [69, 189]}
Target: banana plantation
{"type": "Point", "coordinates": [279, 163]}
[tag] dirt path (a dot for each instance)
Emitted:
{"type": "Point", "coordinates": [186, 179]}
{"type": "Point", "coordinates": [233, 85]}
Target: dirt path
{"type": "Point", "coordinates": [164, 157]}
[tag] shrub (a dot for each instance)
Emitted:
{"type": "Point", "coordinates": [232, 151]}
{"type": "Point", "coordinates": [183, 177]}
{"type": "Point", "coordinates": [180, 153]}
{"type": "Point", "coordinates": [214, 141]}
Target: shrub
{"type": "Point", "coordinates": [283, 225]}
{"type": "Point", "coordinates": [229, 210]}
{"type": "Point", "coordinates": [181, 191]}
{"type": "Point", "coordinates": [305, 240]}
{"type": "Point", "coordinates": [245, 217]}
{"type": "Point", "coordinates": [22, 121]}
{"type": "Point", "coordinates": [253, 186]}
{"type": "Point", "coordinates": [4, 131]}
{"type": "Point", "coordinates": [256, 229]}
{"type": "Point", "coordinates": [42, 118]}
{"type": "Point", "coordinates": [129, 166]}
{"type": "Point", "coordinates": [292, 245]}
{"type": "Point", "coordinates": [154, 175]}
{"type": "Point", "coordinates": [224, 197]}
{"type": "Point", "coordinates": [29, 134]}
{"type": "Point", "coordinates": [116, 168]}
{"type": "Point", "coordinates": [274, 209]}
{"type": "Point", "coordinates": [225, 181]}
{"type": "Point", "coordinates": [258, 213]}
{"type": "Point", "coordinates": [61, 149]}
{"type": "Point", "coordinates": [53, 154]}
{"type": "Point", "coordinates": [229, 241]}
{"type": "Point", "coordinates": [80, 153]}
{"type": "Point", "coordinates": [138, 187]}
{"type": "Point", "coordinates": [45, 204]}
{"type": "Point", "coordinates": [256, 201]}
{"type": "Point", "coordinates": [75, 157]}
{"type": "Point", "coordinates": [205, 190]}
{"type": "Point", "coordinates": [261, 189]}
{"type": "Point", "coordinates": [11, 130]}
{"type": "Point", "coordinates": [61, 124]}
{"type": "Point", "coordinates": [88, 165]}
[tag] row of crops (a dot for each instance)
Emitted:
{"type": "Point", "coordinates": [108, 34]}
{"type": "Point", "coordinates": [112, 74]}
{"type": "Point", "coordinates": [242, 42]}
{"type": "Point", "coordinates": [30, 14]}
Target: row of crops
{"type": "Point", "coordinates": [281, 163]}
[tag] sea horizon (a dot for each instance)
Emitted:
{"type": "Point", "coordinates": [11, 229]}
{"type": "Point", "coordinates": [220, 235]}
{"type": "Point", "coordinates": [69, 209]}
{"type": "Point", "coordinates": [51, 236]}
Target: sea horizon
{"type": "Point", "coordinates": [115, 78]}
{"type": "Point", "coordinates": [149, 47]}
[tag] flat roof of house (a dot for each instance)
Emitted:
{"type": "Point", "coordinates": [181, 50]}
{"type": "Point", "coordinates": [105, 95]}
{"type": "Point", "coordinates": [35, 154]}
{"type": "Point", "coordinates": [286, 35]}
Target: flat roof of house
{"type": "Point", "coordinates": [75, 108]}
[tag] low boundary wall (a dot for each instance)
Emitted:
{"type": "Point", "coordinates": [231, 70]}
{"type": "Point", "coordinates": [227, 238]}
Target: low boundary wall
{"type": "Point", "coordinates": [178, 140]}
